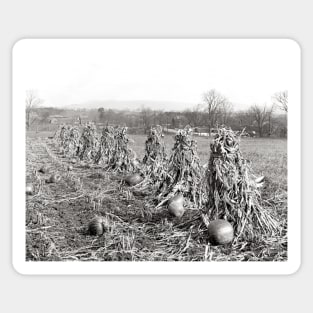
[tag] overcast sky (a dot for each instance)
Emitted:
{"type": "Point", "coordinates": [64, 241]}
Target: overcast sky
{"type": "Point", "coordinates": [65, 72]}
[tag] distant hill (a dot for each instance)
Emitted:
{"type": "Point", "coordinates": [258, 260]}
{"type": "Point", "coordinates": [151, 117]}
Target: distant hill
{"type": "Point", "coordinates": [132, 105]}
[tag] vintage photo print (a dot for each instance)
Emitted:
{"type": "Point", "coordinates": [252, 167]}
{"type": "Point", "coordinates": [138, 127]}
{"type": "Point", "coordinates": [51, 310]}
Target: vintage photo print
{"type": "Point", "coordinates": [156, 156]}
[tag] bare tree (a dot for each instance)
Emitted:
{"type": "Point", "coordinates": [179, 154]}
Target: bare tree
{"type": "Point", "coordinates": [280, 99]}
{"type": "Point", "coordinates": [225, 112]}
{"type": "Point", "coordinates": [260, 114]}
{"type": "Point", "coordinates": [101, 114]}
{"type": "Point", "coordinates": [32, 102]}
{"type": "Point", "coordinates": [270, 111]}
{"type": "Point", "coordinates": [213, 102]}
{"type": "Point", "coordinates": [146, 117]}
{"type": "Point", "coordinates": [194, 115]}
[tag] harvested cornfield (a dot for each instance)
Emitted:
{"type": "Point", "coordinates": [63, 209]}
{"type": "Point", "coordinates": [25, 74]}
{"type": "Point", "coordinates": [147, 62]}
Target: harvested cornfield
{"type": "Point", "coordinates": [58, 213]}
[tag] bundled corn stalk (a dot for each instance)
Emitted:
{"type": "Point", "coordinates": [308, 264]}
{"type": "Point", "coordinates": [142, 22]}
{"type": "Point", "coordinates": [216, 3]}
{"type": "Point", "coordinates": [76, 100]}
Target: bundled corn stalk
{"type": "Point", "coordinates": [71, 142]}
{"type": "Point", "coordinates": [61, 136]}
{"type": "Point", "coordinates": [184, 172]}
{"type": "Point", "coordinates": [231, 189]}
{"type": "Point", "coordinates": [154, 147]}
{"type": "Point", "coordinates": [154, 163]}
{"type": "Point", "coordinates": [106, 146]}
{"type": "Point", "coordinates": [57, 134]}
{"type": "Point", "coordinates": [89, 142]}
{"type": "Point", "coordinates": [121, 157]}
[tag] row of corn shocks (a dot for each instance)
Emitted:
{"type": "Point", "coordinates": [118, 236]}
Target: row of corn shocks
{"type": "Point", "coordinates": [223, 190]}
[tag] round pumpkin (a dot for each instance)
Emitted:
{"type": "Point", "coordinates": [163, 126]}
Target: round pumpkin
{"type": "Point", "coordinates": [133, 179]}
{"type": "Point", "coordinates": [176, 206]}
{"type": "Point", "coordinates": [96, 226]}
{"type": "Point", "coordinates": [220, 232]}
{"type": "Point", "coordinates": [43, 169]}
{"type": "Point", "coordinates": [54, 178]}
{"type": "Point", "coordinates": [29, 189]}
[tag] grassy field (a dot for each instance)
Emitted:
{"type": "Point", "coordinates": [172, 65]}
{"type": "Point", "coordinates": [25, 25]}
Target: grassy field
{"type": "Point", "coordinates": [57, 215]}
{"type": "Point", "coordinates": [268, 156]}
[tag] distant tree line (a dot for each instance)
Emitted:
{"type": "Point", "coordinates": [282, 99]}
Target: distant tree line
{"type": "Point", "coordinates": [215, 109]}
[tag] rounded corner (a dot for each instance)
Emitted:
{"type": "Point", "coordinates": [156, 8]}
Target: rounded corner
{"type": "Point", "coordinates": [17, 269]}
{"type": "Point", "coordinates": [18, 43]}
{"type": "Point", "coordinates": [295, 44]}
{"type": "Point", "coordinates": [295, 268]}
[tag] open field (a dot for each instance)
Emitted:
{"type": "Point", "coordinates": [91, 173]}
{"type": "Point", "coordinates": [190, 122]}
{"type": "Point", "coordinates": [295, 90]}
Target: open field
{"type": "Point", "coordinates": [58, 214]}
{"type": "Point", "coordinates": [268, 156]}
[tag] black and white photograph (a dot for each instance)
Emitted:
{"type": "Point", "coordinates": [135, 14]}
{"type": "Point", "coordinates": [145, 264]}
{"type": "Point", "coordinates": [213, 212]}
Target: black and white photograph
{"type": "Point", "coordinates": [153, 152]}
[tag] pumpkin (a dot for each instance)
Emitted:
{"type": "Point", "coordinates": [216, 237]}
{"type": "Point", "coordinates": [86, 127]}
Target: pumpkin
{"type": "Point", "coordinates": [176, 206]}
{"type": "Point", "coordinates": [96, 226]}
{"type": "Point", "coordinates": [133, 179]}
{"type": "Point", "coordinates": [220, 232]}
{"type": "Point", "coordinates": [74, 161]}
{"type": "Point", "coordinates": [29, 189]}
{"type": "Point", "coordinates": [54, 178]}
{"type": "Point", "coordinates": [43, 169]}
{"type": "Point", "coordinates": [70, 168]}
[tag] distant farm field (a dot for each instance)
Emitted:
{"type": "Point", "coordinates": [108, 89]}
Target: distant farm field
{"type": "Point", "coordinates": [57, 214]}
{"type": "Point", "coordinates": [268, 156]}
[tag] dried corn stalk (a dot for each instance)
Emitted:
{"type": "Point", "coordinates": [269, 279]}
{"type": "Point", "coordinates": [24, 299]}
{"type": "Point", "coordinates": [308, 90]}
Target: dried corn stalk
{"type": "Point", "coordinates": [89, 142]}
{"type": "Point", "coordinates": [106, 146]}
{"type": "Point", "coordinates": [121, 157]}
{"type": "Point", "coordinates": [62, 135]}
{"type": "Point", "coordinates": [154, 164]}
{"type": "Point", "coordinates": [72, 141]}
{"type": "Point", "coordinates": [231, 190]}
{"type": "Point", "coordinates": [184, 172]}
{"type": "Point", "coordinates": [57, 134]}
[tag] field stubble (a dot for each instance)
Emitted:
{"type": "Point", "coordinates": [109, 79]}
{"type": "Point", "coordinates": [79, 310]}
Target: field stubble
{"type": "Point", "coordinates": [57, 215]}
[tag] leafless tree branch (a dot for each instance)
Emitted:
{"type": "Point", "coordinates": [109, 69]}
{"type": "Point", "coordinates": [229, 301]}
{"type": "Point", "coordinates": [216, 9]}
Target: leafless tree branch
{"type": "Point", "coordinates": [280, 100]}
{"type": "Point", "coordinates": [32, 101]}
{"type": "Point", "coordinates": [214, 102]}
